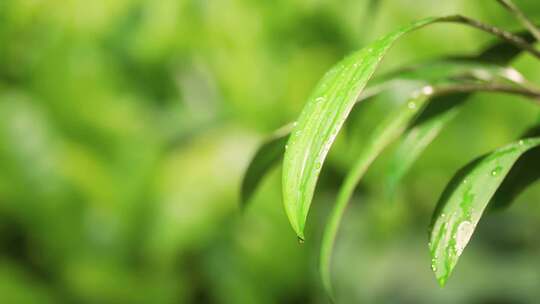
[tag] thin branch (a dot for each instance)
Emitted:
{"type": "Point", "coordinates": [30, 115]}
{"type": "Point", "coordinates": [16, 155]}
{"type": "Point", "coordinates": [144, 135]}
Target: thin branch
{"type": "Point", "coordinates": [502, 34]}
{"type": "Point", "coordinates": [514, 9]}
{"type": "Point", "coordinates": [489, 87]}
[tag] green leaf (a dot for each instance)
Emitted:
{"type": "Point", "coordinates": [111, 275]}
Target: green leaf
{"type": "Point", "coordinates": [266, 156]}
{"type": "Point", "coordinates": [322, 118]}
{"type": "Point", "coordinates": [503, 52]}
{"type": "Point", "coordinates": [524, 173]}
{"type": "Point", "coordinates": [385, 133]}
{"type": "Point", "coordinates": [464, 201]}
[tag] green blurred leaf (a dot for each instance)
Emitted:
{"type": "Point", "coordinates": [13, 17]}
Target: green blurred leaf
{"type": "Point", "coordinates": [266, 156]}
{"type": "Point", "coordinates": [464, 201]}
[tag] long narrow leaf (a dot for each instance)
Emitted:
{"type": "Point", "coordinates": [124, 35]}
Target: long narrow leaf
{"type": "Point", "coordinates": [389, 129]}
{"type": "Point", "coordinates": [322, 118]}
{"type": "Point", "coordinates": [463, 202]}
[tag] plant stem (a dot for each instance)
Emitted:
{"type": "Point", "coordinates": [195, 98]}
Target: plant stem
{"type": "Point", "coordinates": [502, 34]}
{"type": "Point", "coordinates": [490, 87]}
{"type": "Point", "coordinates": [514, 9]}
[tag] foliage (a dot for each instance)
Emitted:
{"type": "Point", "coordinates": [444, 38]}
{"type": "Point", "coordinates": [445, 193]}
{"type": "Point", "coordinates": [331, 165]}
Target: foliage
{"type": "Point", "coordinates": [331, 102]}
{"type": "Point", "coordinates": [126, 127]}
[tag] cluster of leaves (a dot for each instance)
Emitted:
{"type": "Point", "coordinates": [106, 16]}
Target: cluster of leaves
{"type": "Point", "coordinates": [436, 92]}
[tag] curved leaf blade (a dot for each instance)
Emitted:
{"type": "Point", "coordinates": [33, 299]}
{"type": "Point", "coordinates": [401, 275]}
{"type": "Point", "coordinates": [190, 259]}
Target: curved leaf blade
{"type": "Point", "coordinates": [384, 134]}
{"type": "Point", "coordinates": [321, 120]}
{"type": "Point", "coordinates": [463, 202]}
{"type": "Point", "coordinates": [523, 174]}
{"type": "Point", "coordinates": [264, 159]}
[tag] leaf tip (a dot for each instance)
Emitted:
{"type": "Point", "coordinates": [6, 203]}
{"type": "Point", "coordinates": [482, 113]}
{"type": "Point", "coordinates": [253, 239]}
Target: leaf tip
{"type": "Point", "coordinates": [437, 266]}
{"type": "Point", "coordinates": [442, 280]}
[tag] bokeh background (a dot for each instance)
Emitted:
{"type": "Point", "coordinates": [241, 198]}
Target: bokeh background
{"type": "Point", "coordinates": [126, 126]}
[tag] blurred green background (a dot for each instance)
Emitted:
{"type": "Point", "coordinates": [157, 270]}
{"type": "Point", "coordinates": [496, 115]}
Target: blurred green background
{"type": "Point", "coordinates": [126, 125]}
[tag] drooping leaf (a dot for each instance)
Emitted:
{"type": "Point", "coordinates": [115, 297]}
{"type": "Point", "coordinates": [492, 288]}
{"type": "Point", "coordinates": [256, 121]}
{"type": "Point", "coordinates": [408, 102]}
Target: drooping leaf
{"type": "Point", "coordinates": [271, 150]}
{"type": "Point", "coordinates": [266, 156]}
{"type": "Point", "coordinates": [463, 202]}
{"type": "Point", "coordinates": [322, 118]}
{"type": "Point", "coordinates": [384, 134]}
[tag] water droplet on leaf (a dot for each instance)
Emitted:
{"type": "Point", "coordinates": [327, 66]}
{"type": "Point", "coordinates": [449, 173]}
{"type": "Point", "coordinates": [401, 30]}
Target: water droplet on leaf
{"type": "Point", "coordinates": [496, 171]}
{"type": "Point", "coordinates": [463, 235]}
{"type": "Point", "coordinates": [427, 90]}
